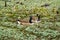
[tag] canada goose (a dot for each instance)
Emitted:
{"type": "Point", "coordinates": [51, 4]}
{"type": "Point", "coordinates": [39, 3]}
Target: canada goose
{"type": "Point", "coordinates": [25, 22]}
{"type": "Point", "coordinates": [38, 19]}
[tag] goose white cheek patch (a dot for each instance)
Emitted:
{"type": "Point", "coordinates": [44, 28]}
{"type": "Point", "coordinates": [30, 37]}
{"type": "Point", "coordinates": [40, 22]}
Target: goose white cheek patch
{"type": "Point", "coordinates": [18, 22]}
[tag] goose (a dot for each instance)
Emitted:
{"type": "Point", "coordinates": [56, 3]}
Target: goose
{"type": "Point", "coordinates": [38, 19]}
{"type": "Point", "coordinates": [25, 22]}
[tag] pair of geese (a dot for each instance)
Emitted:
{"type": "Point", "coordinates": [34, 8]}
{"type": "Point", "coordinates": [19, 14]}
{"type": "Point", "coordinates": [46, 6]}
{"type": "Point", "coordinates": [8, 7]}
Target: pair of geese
{"type": "Point", "coordinates": [31, 21]}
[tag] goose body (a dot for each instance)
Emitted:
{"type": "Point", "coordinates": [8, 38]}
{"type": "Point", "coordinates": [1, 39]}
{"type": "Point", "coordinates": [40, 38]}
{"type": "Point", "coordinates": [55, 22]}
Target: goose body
{"type": "Point", "coordinates": [25, 22]}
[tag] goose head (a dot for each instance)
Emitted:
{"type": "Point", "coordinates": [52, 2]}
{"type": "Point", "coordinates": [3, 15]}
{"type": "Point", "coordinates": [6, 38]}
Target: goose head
{"type": "Point", "coordinates": [18, 21]}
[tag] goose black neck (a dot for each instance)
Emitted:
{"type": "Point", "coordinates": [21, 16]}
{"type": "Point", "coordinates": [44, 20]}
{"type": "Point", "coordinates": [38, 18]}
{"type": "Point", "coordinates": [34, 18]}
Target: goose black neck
{"type": "Point", "coordinates": [38, 17]}
{"type": "Point", "coordinates": [30, 20]}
